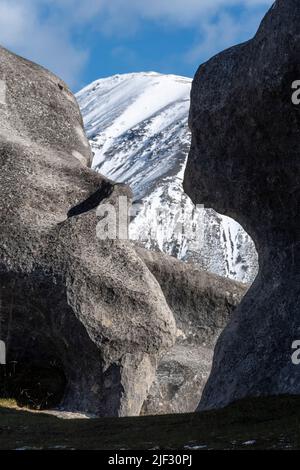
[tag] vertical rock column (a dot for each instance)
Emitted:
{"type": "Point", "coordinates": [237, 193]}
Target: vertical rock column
{"type": "Point", "coordinates": [245, 163]}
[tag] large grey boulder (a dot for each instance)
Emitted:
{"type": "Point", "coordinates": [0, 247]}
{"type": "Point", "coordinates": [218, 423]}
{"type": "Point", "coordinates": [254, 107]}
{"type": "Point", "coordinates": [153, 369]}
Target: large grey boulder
{"type": "Point", "coordinates": [68, 300]}
{"type": "Point", "coordinates": [245, 162]}
{"type": "Point", "coordinates": [202, 304]}
{"type": "Point", "coordinates": [179, 381]}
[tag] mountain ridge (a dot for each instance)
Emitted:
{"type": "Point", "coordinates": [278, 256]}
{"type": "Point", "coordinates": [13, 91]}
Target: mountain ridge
{"type": "Point", "coordinates": [137, 125]}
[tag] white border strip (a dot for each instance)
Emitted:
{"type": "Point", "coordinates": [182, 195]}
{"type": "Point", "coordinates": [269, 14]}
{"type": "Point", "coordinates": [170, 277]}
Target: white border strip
{"type": "Point", "coordinates": [2, 92]}
{"type": "Point", "coordinates": [2, 353]}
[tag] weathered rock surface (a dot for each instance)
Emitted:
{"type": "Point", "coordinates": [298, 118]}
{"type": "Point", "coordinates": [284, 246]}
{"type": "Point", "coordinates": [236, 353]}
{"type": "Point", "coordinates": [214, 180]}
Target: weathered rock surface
{"type": "Point", "coordinates": [202, 304]}
{"type": "Point", "coordinates": [180, 378]}
{"type": "Point", "coordinates": [69, 300]}
{"type": "Point", "coordinates": [244, 162]}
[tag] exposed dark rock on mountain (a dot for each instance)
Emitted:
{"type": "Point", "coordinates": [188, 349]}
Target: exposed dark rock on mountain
{"type": "Point", "coordinates": [87, 307]}
{"type": "Point", "coordinates": [245, 163]}
{"type": "Point", "coordinates": [137, 125]}
{"type": "Point", "coordinates": [202, 304]}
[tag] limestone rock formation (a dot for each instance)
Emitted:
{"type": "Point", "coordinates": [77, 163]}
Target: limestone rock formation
{"type": "Point", "coordinates": [202, 304]}
{"type": "Point", "coordinates": [180, 378]}
{"type": "Point", "coordinates": [245, 163]}
{"type": "Point", "coordinates": [68, 300]}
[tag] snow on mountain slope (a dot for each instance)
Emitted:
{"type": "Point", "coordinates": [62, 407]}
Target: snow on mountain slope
{"type": "Point", "coordinates": [138, 128]}
{"type": "Point", "coordinates": [132, 121]}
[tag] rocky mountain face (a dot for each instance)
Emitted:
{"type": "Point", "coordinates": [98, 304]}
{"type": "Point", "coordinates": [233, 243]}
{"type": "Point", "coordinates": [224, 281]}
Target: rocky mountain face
{"type": "Point", "coordinates": [249, 169]}
{"type": "Point", "coordinates": [70, 303]}
{"type": "Point", "coordinates": [137, 125]}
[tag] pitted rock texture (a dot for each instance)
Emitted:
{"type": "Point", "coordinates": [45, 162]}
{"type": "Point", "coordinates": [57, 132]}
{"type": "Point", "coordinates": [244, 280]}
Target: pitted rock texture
{"type": "Point", "coordinates": [67, 299]}
{"type": "Point", "coordinates": [180, 378]}
{"type": "Point", "coordinates": [202, 304]}
{"type": "Point", "coordinates": [245, 163]}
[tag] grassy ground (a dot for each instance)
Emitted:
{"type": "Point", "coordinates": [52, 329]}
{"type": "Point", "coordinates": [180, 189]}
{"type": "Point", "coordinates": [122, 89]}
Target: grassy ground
{"type": "Point", "coordinates": [269, 423]}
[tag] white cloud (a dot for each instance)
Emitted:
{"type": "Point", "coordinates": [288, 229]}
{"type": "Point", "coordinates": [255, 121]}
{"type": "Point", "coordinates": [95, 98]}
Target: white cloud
{"type": "Point", "coordinates": [218, 24]}
{"type": "Point", "coordinates": [221, 33]}
{"type": "Point", "coordinates": [12, 21]}
{"type": "Point", "coordinates": [44, 30]}
{"type": "Point", "coordinates": [42, 37]}
{"type": "Point", "coordinates": [179, 12]}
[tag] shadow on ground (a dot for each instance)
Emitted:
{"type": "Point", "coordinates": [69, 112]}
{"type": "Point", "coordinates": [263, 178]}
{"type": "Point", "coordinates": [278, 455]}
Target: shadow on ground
{"type": "Point", "coordinates": [268, 423]}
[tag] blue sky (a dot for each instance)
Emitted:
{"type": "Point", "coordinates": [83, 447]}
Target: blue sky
{"type": "Point", "coordinates": [82, 40]}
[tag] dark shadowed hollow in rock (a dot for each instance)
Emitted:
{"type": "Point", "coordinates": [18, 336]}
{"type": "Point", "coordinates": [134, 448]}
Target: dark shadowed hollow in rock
{"type": "Point", "coordinates": [49, 342]}
{"type": "Point", "coordinates": [245, 163]}
{"type": "Point", "coordinates": [37, 386]}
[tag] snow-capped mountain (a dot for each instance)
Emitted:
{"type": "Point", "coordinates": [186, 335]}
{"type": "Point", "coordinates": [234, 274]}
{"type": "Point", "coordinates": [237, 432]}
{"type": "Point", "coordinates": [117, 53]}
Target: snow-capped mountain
{"type": "Point", "coordinates": [138, 128]}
